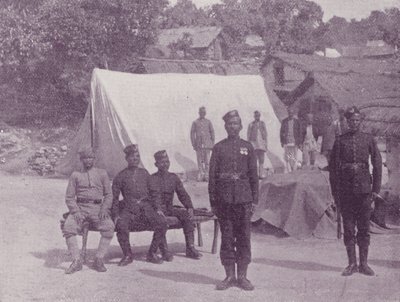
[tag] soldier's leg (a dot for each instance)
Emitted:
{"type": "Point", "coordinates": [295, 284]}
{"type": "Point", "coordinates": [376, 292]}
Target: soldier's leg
{"type": "Point", "coordinates": [199, 155]}
{"type": "Point", "coordinates": [123, 227]}
{"type": "Point", "coordinates": [363, 236]}
{"type": "Point", "coordinates": [260, 157]}
{"type": "Point", "coordinates": [160, 227]}
{"type": "Point", "coordinates": [242, 230]}
{"type": "Point", "coordinates": [313, 156]}
{"type": "Point", "coordinates": [207, 153]}
{"type": "Point", "coordinates": [349, 224]}
{"type": "Point", "coordinates": [70, 230]}
{"type": "Point", "coordinates": [306, 156]}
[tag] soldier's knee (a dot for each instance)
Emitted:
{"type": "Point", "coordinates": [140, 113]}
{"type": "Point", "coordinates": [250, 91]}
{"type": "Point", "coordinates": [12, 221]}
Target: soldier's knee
{"type": "Point", "coordinates": [107, 234]}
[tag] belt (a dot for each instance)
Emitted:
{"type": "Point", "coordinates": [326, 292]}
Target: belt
{"type": "Point", "coordinates": [86, 200]}
{"type": "Point", "coordinates": [353, 165]}
{"type": "Point", "coordinates": [232, 176]}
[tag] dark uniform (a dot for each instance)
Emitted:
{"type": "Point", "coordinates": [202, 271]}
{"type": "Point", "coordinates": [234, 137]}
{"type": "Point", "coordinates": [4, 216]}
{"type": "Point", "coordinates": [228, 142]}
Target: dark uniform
{"type": "Point", "coordinates": [138, 208]}
{"type": "Point", "coordinates": [233, 188]}
{"type": "Point", "coordinates": [352, 185]}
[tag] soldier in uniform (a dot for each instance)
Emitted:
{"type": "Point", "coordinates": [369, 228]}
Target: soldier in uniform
{"type": "Point", "coordinates": [88, 199]}
{"type": "Point", "coordinates": [203, 138]}
{"type": "Point", "coordinates": [140, 206]}
{"type": "Point", "coordinates": [257, 136]}
{"type": "Point", "coordinates": [353, 188]}
{"type": "Point", "coordinates": [169, 183]}
{"type": "Point", "coordinates": [233, 191]}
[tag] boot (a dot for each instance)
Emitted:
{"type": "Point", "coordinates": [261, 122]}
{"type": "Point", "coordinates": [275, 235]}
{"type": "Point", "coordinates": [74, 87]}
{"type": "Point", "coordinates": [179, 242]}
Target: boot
{"type": "Point", "coordinates": [152, 253]}
{"type": "Point", "coordinates": [242, 280]}
{"type": "Point", "coordinates": [99, 265]}
{"type": "Point", "coordinates": [364, 268]}
{"type": "Point", "coordinates": [75, 266]}
{"type": "Point", "coordinates": [352, 267]}
{"type": "Point", "coordinates": [127, 259]}
{"type": "Point", "coordinates": [230, 279]}
{"type": "Point", "coordinates": [165, 253]}
{"type": "Point", "coordinates": [191, 251]}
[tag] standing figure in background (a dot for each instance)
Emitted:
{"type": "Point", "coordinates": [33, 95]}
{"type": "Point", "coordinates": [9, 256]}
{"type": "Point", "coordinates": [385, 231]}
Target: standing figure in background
{"type": "Point", "coordinates": [203, 138]}
{"type": "Point", "coordinates": [290, 135]}
{"type": "Point", "coordinates": [309, 145]}
{"type": "Point", "coordinates": [354, 188]}
{"type": "Point", "coordinates": [233, 192]}
{"type": "Point", "coordinates": [257, 136]}
{"type": "Point", "coordinates": [89, 200]}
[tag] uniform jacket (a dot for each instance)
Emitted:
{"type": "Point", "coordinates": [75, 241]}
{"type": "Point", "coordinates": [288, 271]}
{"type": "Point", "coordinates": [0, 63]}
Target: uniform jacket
{"type": "Point", "coordinates": [169, 183]}
{"type": "Point", "coordinates": [252, 132]}
{"type": "Point", "coordinates": [202, 134]}
{"type": "Point", "coordinates": [134, 184]}
{"type": "Point", "coordinates": [233, 175]}
{"type": "Point", "coordinates": [93, 184]}
{"type": "Point", "coordinates": [303, 128]}
{"type": "Point", "coordinates": [349, 164]}
{"type": "Point", "coordinates": [296, 131]}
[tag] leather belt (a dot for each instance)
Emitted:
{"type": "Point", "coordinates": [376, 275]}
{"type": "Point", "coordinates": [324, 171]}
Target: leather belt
{"type": "Point", "coordinates": [87, 200]}
{"type": "Point", "coordinates": [353, 165]}
{"type": "Point", "coordinates": [232, 176]}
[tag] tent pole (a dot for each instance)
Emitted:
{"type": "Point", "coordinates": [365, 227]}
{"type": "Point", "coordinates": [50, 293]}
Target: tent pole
{"type": "Point", "coordinates": [91, 124]}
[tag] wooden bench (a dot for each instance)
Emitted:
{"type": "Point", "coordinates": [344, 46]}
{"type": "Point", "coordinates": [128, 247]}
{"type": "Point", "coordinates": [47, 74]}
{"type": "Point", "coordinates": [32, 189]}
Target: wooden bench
{"type": "Point", "coordinates": [173, 223]}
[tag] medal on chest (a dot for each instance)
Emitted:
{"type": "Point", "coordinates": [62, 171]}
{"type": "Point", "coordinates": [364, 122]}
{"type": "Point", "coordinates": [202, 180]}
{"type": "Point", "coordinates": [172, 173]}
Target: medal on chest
{"type": "Point", "coordinates": [244, 151]}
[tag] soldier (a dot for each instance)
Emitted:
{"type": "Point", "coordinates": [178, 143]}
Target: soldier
{"type": "Point", "coordinates": [290, 135]}
{"type": "Point", "coordinates": [88, 199]}
{"type": "Point", "coordinates": [140, 206]}
{"type": "Point", "coordinates": [257, 136]}
{"type": "Point", "coordinates": [169, 183]}
{"type": "Point", "coordinates": [233, 191]}
{"type": "Point", "coordinates": [203, 138]}
{"type": "Point", "coordinates": [351, 187]}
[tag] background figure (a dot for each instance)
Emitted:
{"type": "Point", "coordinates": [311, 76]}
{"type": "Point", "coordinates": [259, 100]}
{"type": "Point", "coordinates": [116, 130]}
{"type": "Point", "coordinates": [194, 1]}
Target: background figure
{"type": "Point", "coordinates": [233, 191]}
{"type": "Point", "coordinates": [309, 146]}
{"type": "Point", "coordinates": [257, 136]}
{"type": "Point", "coordinates": [352, 187]}
{"type": "Point", "coordinates": [203, 138]}
{"type": "Point", "coordinates": [290, 135]}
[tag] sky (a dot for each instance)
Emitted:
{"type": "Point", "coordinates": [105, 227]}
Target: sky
{"type": "Point", "coordinates": [348, 9]}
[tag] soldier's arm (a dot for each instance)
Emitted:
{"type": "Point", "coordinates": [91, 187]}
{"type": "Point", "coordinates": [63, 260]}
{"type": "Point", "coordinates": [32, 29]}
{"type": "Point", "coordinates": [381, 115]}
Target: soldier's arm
{"type": "Point", "coordinates": [376, 160]}
{"type": "Point", "coordinates": [193, 134]}
{"type": "Point", "coordinates": [154, 190]}
{"type": "Point", "coordinates": [212, 178]}
{"type": "Point", "coordinates": [265, 134]}
{"type": "Point", "coordinates": [212, 133]}
{"type": "Point", "coordinates": [183, 196]}
{"type": "Point", "coordinates": [333, 167]}
{"type": "Point", "coordinates": [281, 133]}
{"type": "Point", "coordinates": [116, 191]}
{"type": "Point", "coordinates": [70, 196]}
{"type": "Point", "coordinates": [252, 174]}
{"type": "Point", "coordinates": [107, 193]}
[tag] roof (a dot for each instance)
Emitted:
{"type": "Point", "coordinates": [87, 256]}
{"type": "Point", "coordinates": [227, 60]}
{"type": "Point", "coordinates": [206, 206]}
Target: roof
{"type": "Point", "coordinates": [329, 53]}
{"type": "Point", "coordinates": [254, 41]}
{"type": "Point", "coordinates": [376, 48]}
{"type": "Point", "coordinates": [202, 37]}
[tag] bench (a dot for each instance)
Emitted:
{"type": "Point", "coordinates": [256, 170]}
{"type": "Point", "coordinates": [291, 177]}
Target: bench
{"type": "Point", "coordinates": [200, 216]}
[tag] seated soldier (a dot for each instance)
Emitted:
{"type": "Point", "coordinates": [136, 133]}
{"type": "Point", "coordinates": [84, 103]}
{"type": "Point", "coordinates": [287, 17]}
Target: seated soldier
{"type": "Point", "coordinates": [137, 209]}
{"type": "Point", "coordinates": [88, 198]}
{"type": "Point", "coordinates": [169, 183]}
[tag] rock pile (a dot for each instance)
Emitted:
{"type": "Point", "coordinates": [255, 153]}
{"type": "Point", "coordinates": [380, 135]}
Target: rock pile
{"type": "Point", "coordinates": [45, 159]}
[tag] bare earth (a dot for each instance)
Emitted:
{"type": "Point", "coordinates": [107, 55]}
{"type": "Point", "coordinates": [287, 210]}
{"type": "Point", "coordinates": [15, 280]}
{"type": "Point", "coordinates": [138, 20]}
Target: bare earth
{"type": "Point", "coordinates": [34, 256]}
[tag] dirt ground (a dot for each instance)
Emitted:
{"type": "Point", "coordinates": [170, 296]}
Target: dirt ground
{"type": "Point", "coordinates": [33, 258]}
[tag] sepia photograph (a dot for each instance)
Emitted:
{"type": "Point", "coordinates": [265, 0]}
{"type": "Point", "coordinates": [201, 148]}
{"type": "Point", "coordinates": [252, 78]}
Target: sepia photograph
{"type": "Point", "coordinates": [199, 150]}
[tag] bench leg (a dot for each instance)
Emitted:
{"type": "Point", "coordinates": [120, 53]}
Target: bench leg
{"type": "Point", "coordinates": [199, 235]}
{"type": "Point", "coordinates": [215, 240]}
{"type": "Point", "coordinates": [85, 233]}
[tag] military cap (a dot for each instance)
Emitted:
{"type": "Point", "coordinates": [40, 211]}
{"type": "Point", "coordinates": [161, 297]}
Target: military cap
{"type": "Point", "coordinates": [86, 153]}
{"type": "Point", "coordinates": [256, 112]}
{"type": "Point", "coordinates": [159, 155]}
{"type": "Point", "coordinates": [131, 149]}
{"type": "Point", "coordinates": [351, 111]}
{"type": "Point", "coordinates": [230, 114]}
{"type": "Point", "coordinates": [202, 108]}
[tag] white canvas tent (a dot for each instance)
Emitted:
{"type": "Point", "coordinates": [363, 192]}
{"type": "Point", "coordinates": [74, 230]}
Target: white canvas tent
{"type": "Point", "coordinates": [156, 112]}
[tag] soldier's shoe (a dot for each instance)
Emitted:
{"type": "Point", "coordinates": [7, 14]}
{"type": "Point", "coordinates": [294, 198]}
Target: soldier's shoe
{"type": "Point", "coordinates": [226, 283]}
{"type": "Point", "coordinates": [75, 266]}
{"type": "Point", "coordinates": [167, 256]}
{"type": "Point", "coordinates": [153, 258]}
{"type": "Point", "coordinates": [244, 283]}
{"type": "Point", "coordinates": [127, 259]}
{"type": "Point", "coordinates": [192, 253]}
{"type": "Point", "coordinates": [98, 265]}
{"type": "Point", "coordinates": [366, 270]}
{"type": "Point", "coordinates": [350, 270]}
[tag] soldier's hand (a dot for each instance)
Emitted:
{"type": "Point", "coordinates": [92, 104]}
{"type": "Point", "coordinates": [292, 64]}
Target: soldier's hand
{"type": "Point", "coordinates": [161, 213]}
{"type": "Point", "coordinates": [191, 213]}
{"type": "Point", "coordinates": [103, 214]}
{"type": "Point", "coordinates": [79, 217]}
{"type": "Point", "coordinates": [214, 210]}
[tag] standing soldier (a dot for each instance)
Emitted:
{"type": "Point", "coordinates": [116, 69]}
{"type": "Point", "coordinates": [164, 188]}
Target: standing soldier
{"type": "Point", "coordinates": [140, 206]}
{"type": "Point", "coordinates": [169, 183]}
{"type": "Point", "coordinates": [257, 136]}
{"type": "Point", "coordinates": [203, 138]}
{"type": "Point", "coordinates": [351, 187]}
{"type": "Point", "coordinates": [88, 199]}
{"type": "Point", "coordinates": [233, 191]}
{"type": "Point", "coordinates": [290, 135]}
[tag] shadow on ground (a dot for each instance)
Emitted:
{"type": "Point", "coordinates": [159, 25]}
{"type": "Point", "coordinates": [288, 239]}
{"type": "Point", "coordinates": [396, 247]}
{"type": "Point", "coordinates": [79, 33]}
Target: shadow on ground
{"type": "Point", "coordinates": [180, 277]}
{"type": "Point", "coordinates": [298, 265]}
{"type": "Point", "coordinates": [385, 263]}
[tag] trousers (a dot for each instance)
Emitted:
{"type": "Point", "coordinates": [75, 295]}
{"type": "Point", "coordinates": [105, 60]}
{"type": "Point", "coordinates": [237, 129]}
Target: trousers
{"type": "Point", "coordinates": [203, 160]}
